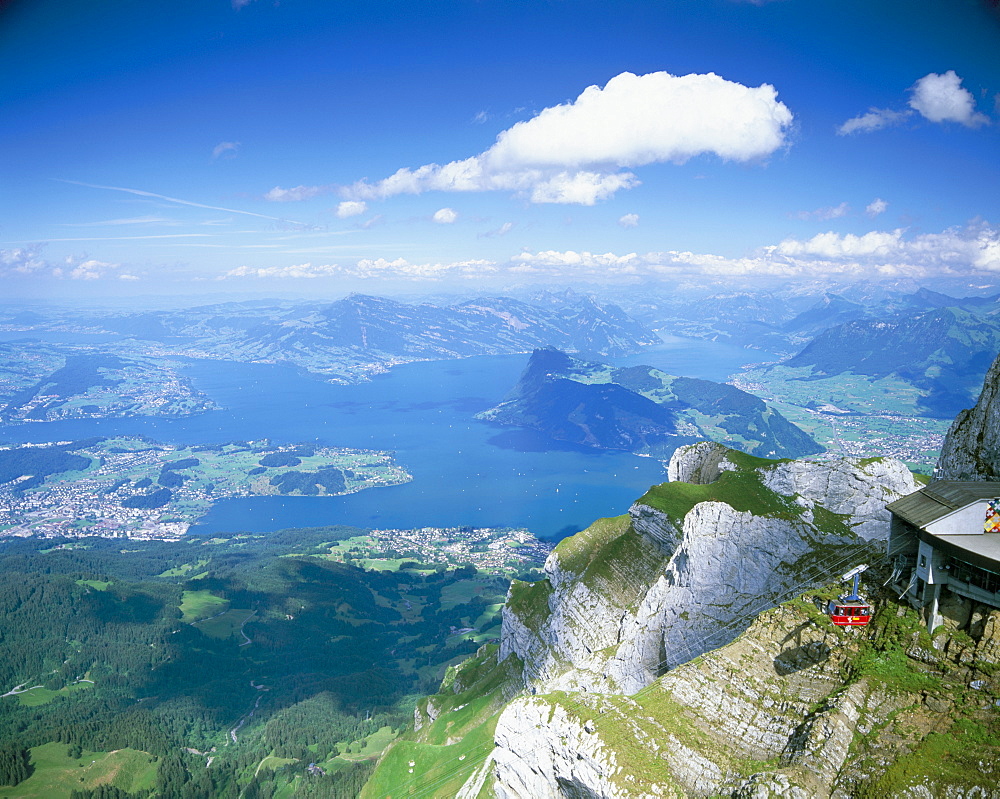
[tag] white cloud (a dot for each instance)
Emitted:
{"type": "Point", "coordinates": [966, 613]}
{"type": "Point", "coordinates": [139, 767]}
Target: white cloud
{"type": "Point", "coordinates": [957, 251]}
{"type": "Point", "coordinates": [445, 216]}
{"type": "Point", "coordinates": [369, 268]}
{"type": "Point", "coordinates": [480, 117]}
{"type": "Point", "coordinates": [296, 194]}
{"type": "Point", "coordinates": [629, 220]}
{"type": "Point", "coordinates": [28, 262]}
{"type": "Point", "coordinates": [834, 212]}
{"type": "Point", "coordinates": [941, 98]}
{"type": "Point", "coordinates": [22, 261]}
{"type": "Point", "coordinates": [306, 270]}
{"type": "Point", "coordinates": [226, 148]}
{"type": "Point", "coordinates": [350, 208]}
{"type": "Point", "coordinates": [875, 119]}
{"type": "Point", "coordinates": [953, 251]}
{"type": "Point", "coordinates": [577, 152]}
{"type": "Point", "coordinates": [134, 220]}
{"type": "Point", "coordinates": [375, 221]}
{"type": "Point", "coordinates": [876, 207]}
{"type": "Point", "coordinates": [834, 246]}
{"type": "Point", "coordinates": [873, 254]}
{"type": "Point", "coordinates": [503, 230]}
{"type": "Point", "coordinates": [91, 270]}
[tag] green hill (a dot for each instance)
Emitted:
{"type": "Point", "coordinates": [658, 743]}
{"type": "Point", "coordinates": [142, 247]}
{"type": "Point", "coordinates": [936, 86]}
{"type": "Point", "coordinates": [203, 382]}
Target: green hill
{"type": "Point", "coordinates": [642, 409]}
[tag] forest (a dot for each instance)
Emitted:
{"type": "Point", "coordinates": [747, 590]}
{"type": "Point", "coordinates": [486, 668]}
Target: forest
{"type": "Point", "coordinates": [247, 666]}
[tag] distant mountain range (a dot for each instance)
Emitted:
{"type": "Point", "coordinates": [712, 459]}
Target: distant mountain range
{"type": "Point", "coordinates": [944, 352]}
{"type": "Point", "coordinates": [642, 410]}
{"type": "Point", "coordinates": [785, 319]}
{"type": "Point", "coordinates": [362, 333]}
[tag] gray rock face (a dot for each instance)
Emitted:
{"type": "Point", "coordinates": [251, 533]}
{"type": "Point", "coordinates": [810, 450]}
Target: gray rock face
{"type": "Point", "coordinates": [674, 590]}
{"type": "Point", "coordinates": [855, 487]}
{"type": "Point", "coordinates": [971, 449]}
{"type": "Point", "coordinates": [543, 752]}
{"type": "Point", "coordinates": [727, 569]}
{"type": "Point", "coordinates": [775, 696]}
{"type": "Point", "coordinates": [755, 696]}
{"type": "Point", "coordinates": [699, 463]}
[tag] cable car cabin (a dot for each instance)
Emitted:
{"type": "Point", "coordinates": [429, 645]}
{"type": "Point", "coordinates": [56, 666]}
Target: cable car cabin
{"type": "Point", "coordinates": [850, 614]}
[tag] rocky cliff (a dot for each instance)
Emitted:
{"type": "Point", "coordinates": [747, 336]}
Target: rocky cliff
{"type": "Point", "coordinates": [794, 708]}
{"type": "Point", "coordinates": [692, 564]}
{"type": "Point", "coordinates": [971, 450]}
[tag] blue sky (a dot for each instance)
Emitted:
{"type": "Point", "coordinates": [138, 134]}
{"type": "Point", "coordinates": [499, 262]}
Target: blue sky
{"type": "Point", "coordinates": [316, 148]}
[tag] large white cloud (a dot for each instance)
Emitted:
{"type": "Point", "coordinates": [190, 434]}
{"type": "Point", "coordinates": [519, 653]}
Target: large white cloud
{"type": "Point", "coordinates": [941, 98]}
{"type": "Point", "coordinates": [579, 152]}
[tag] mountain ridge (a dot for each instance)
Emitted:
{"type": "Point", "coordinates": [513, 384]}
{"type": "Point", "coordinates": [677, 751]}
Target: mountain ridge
{"type": "Point", "coordinates": [641, 409]}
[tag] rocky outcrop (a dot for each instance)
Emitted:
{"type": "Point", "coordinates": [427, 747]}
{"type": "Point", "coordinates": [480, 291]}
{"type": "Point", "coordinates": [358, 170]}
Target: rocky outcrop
{"type": "Point", "coordinates": [700, 463]}
{"type": "Point", "coordinates": [971, 449]}
{"type": "Point", "coordinates": [769, 715]}
{"type": "Point", "coordinates": [692, 564]}
{"type": "Point", "coordinates": [858, 488]}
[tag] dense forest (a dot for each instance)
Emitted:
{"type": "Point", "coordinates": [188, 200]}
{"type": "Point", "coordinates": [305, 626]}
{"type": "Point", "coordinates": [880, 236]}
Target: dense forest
{"type": "Point", "coordinates": [251, 666]}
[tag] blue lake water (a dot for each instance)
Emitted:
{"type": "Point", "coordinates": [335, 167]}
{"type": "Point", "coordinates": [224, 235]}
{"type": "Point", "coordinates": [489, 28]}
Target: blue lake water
{"type": "Point", "coordinates": [466, 472]}
{"type": "Point", "coordinates": [686, 357]}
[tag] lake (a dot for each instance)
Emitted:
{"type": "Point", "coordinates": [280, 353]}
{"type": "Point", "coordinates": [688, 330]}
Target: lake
{"type": "Point", "coordinates": [466, 472]}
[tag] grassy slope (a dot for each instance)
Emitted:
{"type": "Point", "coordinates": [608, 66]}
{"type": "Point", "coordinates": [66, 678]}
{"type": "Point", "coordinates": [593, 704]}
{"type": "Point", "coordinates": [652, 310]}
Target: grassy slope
{"type": "Point", "coordinates": [443, 754]}
{"type": "Point", "coordinates": [57, 774]}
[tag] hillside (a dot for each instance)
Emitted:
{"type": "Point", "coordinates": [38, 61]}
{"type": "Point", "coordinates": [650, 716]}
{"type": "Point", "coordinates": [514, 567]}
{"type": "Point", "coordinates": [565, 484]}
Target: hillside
{"type": "Point", "coordinates": [642, 409]}
{"type": "Point", "coordinates": [795, 707]}
{"type": "Point", "coordinates": [945, 353]}
{"type": "Point", "coordinates": [222, 667]}
{"type": "Point", "coordinates": [679, 651]}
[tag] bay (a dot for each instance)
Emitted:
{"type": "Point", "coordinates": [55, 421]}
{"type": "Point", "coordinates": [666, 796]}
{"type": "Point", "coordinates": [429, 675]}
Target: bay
{"type": "Point", "coordinates": [465, 472]}
{"type": "Point", "coordinates": [688, 357]}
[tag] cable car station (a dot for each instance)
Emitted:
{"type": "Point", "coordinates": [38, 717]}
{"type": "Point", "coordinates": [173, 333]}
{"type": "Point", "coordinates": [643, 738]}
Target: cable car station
{"type": "Point", "coordinates": [946, 537]}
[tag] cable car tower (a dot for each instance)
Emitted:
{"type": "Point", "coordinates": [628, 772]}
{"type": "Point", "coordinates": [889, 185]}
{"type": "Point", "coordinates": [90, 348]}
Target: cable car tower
{"type": "Point", "coordinates": [851, 610]}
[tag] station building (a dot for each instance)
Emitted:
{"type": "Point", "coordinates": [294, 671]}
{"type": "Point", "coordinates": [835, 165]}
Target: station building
{"type": "Point", "coordinates": [946, 537]}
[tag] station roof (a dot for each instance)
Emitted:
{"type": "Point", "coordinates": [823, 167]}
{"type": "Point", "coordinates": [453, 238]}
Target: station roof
{"type": "Point", "coordinates": [940, 498]}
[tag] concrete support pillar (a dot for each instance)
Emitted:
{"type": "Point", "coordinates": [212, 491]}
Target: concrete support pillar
{"type": "Point", "coordinates": [933, 616]}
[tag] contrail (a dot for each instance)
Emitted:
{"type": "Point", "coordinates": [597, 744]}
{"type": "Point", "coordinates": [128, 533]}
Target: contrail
{"type": "Point", "coordinates": [141, 193]}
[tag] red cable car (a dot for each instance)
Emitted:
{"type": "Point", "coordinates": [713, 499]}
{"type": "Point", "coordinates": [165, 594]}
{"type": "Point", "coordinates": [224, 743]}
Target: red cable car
{"type": "Point", "coordinates": [851, 610]}
{"type": "Point", "coordinates": [850, 614]}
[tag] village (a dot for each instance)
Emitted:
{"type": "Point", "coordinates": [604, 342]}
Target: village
{"type": "Point", "coordinates": [123, 493]}
{"type": "Point", "coordinates": [490, 549]}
